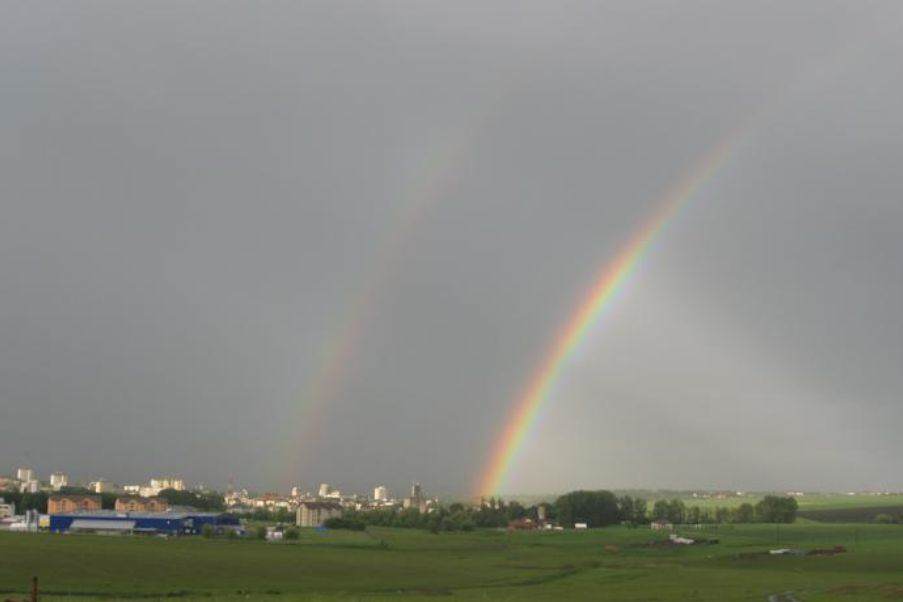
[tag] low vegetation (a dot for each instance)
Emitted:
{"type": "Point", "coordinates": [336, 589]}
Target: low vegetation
{"type": "Point", "coordinates": [593, 508]}
{"type": "Point", "coordinates": [877, 514]}
{"type": "Point", "coordinates": [207, 501]}
{"type": "Point", "coordinates": [615, 563]}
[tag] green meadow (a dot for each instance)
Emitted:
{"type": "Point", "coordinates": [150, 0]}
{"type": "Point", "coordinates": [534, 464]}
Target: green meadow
{"type": "Point", "coordinates": [615, 563]}
{"type": "Point", "coordinates": [841, 501]}
{"type": "Point", "coordinates": [812, 501]}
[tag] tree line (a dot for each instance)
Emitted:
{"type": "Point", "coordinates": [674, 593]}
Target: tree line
{"type": "Point", "coordinates": [770, 509]}
{"type": "Point", "coordinates": [594, 508]}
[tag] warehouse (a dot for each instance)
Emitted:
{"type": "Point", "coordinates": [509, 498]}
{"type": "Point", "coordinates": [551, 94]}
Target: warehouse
{"type": "Point", "coordinates": [154, 523]}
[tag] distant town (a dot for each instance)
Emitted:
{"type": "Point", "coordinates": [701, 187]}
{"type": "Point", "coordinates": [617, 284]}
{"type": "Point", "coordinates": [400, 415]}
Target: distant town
{"type": "Point", "coordinates": [166, 505]}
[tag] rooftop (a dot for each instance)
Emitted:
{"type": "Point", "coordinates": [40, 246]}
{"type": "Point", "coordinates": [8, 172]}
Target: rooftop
{"type": "Point", "coordinates": [112, 514]}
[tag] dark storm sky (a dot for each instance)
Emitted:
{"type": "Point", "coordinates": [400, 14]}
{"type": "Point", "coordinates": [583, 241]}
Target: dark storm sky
{"type": "Point", "coordinates": [195, 195]}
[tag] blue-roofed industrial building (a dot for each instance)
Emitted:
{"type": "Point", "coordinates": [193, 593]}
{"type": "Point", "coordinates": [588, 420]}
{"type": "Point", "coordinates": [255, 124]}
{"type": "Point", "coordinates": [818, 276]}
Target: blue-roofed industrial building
{"type": "Point", "coordinates": [162, 523]}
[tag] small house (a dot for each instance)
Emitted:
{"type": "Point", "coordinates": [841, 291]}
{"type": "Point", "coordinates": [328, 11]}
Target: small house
{"type": "Point", "coordinates": [661, 525]}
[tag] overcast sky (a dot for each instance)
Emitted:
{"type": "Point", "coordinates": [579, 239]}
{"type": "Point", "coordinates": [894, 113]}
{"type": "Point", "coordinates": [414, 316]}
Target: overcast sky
{"type": "Point", "coordinates": [201, 199]}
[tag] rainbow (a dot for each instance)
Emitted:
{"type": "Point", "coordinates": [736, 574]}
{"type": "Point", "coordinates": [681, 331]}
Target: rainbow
{"type": "Point", "coordinates": [608, 284]}
{"type": "Point", "coordinates": [325, 385]}
{"type": "Point", "coordinates": [432, 183]}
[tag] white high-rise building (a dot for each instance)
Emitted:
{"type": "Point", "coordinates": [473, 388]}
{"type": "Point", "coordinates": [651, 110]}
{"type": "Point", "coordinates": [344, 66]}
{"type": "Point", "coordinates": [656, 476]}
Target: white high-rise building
{"type": "Point", "coordinates": [416, 500]}
{"type": "Point", "coordinates": [101, 486]}
{"type": "Point", "coordinates": [166, 483]}
{"type": "Point", "coordinates": [296, 491]}
{"type": "Point", "coordinates": [324, 490]}
{"type": "Point", "coordinates": [58, 480]}
{"type": "Point", "coordinates": [24, 474]}
{"type": "Point", "coordinates": [380, 493]}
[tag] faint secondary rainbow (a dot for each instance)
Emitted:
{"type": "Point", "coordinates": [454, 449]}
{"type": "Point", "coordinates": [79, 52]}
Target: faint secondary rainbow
{"type": "Point", "coordinates": [431, 183]}
{"type": "Point", "coordinates": [607, 285]}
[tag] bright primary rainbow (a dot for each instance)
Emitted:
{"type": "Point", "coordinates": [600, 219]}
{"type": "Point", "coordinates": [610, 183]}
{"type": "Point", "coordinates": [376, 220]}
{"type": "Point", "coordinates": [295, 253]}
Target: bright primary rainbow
{"type": "Point", "coordinates": [609, 282]}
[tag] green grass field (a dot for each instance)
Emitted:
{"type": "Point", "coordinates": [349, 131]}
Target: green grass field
{"type": "Point", "coordinates": [606, 564]}
{"type": "Point", "coordinates": [812, 501]}
{"type": "Point", "coordinates": [838, 501]}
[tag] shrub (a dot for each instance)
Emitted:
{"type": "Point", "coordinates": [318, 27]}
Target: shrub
{"type": "Point", "coordinates": [291, 534]}
{"type": "Point", "coordinates": [260, 532]}
{"type": "Point", "coordinates": [341, 522]}
{"type": "Point", "coordinates": [208, 531]}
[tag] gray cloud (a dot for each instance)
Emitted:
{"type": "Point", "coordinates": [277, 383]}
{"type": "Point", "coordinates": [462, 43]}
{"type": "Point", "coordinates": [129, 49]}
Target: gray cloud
{"type": "Point", "coordinates": [193, 196]}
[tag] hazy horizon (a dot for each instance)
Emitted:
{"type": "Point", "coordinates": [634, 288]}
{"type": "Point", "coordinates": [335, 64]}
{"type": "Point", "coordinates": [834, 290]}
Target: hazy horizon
{"type": "Point", "coordinates": [293, 243]}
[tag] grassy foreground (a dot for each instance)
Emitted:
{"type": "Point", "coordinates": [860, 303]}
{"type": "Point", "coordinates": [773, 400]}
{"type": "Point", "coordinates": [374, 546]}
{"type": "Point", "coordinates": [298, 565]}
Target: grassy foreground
{"type": "Point", "coordinates": [382, 564]}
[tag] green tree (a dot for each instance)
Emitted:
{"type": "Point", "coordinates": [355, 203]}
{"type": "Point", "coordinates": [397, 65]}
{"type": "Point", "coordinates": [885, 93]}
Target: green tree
{"type": "Point", "coordinates": [776, 509]}
{"type": "Point", "coordinates": [677, 511]}
{"type": "Point", "coordinates": [694, 515]}
{"type": "Point", "coordinates": [640, 516]}
{"type": "Point", "coordinates": [514, 511]}
{"type": "Point", "coordinates": [595, 508]}
{"type": "Point", "coordinates": [745, 513]}
{"type": "Point", "coordinates": [202, 501]}
{"type": "Point", "coordinates": [34, 501]}
{"type": "Point", "coordinates": [626, 508]}
{"type": "Point", "coordinates": [632, 510]}
{"type": "Point", "coordinates": [722, 514]}
{"type": "Point", "coordinates": [661, 510]}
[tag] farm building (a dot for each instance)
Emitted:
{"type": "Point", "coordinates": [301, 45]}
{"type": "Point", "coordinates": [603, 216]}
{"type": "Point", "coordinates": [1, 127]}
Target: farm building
{"type": "Point", "coordinates": [522, 524]}
{"type": "Point", "coordinates": [167, 523]}
{"type": "Point", "coordinates": [661, 525]}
